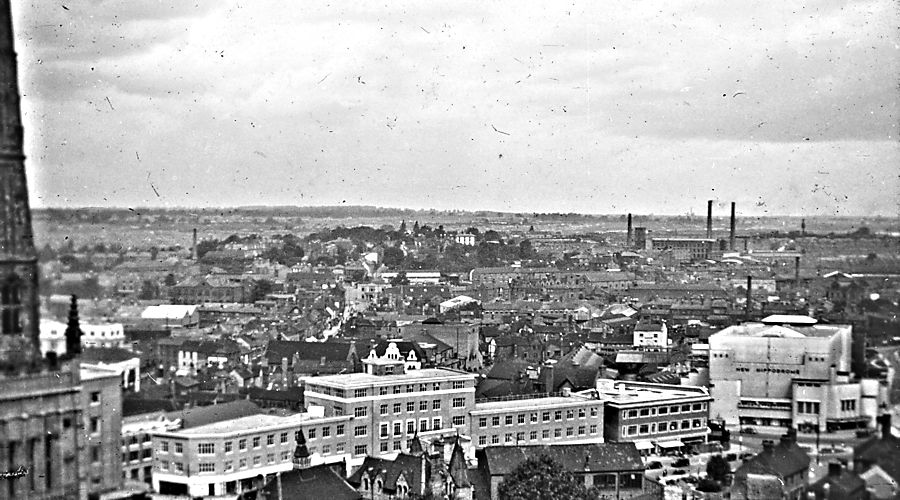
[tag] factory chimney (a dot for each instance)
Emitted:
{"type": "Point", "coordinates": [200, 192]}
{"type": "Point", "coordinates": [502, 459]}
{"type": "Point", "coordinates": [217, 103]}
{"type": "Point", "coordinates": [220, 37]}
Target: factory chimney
{"type": "Point", "coordinates": [802, 227]}
{"type": "Point", "coordinates": [194, 247]}
{"type": "Point", "coordinates": [709, 219]}
{"type": "Point", "coordinates": [629, 240]}
{"type": "Point", "coordinates": [797, 271]}
{"type": "Point", "coordinates": [731, 234]}
{"type": "Point", "coordinates": [749, 298]}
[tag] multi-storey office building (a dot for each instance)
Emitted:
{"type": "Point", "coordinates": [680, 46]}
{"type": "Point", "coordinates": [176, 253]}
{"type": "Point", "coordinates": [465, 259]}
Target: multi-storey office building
{"type": "Point", "coordinates": [101, 403]}
{"type": "Point", "coordinates": [386, 410]}
{"type": "Point", "coordinates": [789, 371]}
{"type": "Point", "coordinates": [137, 443]}
{"type": "Point", "coordinates": [537, 420]}
{"type": "Point", "coordinates": [229, 457]}
{"type": "Point", "coordinates": [654, 416]}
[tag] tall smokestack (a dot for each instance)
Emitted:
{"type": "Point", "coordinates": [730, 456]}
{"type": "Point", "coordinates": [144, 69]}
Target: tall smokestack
{"type": "Point", "coordinates": [731, 234]}
{"type": "Point", "coordinates": [709, 219]}
{"type": "Point", "coordinates": [194, 247]}
{"type": "Point", "coordinates": [749, 298]}
{"type": "Point", "coordinates": [628, 238]}
{"type": "Point", "coordinates": [797, 271]}
{"type": "Point", "coordinates": [803, 227]}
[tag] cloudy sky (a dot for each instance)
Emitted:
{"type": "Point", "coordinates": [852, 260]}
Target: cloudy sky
{"type": "Point", "coordinates": [597, 107]}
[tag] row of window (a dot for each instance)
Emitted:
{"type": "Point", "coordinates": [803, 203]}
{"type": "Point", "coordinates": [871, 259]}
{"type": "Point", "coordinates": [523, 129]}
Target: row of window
{"type": "Point", "coordinates": [654, 428]}
{"type": "Point", "coordinates": [664, 410]}
{"type": "Point", "coordinates": [411, 406]}
{"type": "Point", "coordinates": [136, 455]}
{"type": "Point", "coordinates": [808, 407]}
{"type": "Point", "coordinates": [242, 444]}
{"type": "Point", "coordinates": [385, 428]}
{"type": "Point", "coordinates": [848, 405]}
{"type": "Point", "coordinates": [228, 466]}
{"type": "Point", "coordinates": [519, 437]}
{"type": "Point", "coordinates": [384, 391]}
{"type": "Point", "coordinates": [533, 417]}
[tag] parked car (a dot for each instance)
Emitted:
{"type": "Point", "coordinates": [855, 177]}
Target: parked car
{"type": "Point", "coordinates": [655, 465]}
{"type": "Point", "coordinates": [731, 457]}
{"type": "Point", "coordinates": [748, 430]}
{"type": "Point", "coordinates": [864, 433]}
{"type": "Point", "coordinates": [681, 462]}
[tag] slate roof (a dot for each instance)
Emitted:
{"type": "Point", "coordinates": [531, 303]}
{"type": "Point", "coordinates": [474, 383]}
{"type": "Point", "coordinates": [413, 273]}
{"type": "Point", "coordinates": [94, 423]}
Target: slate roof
{"type": "Point", "coordinates": [291, 394]}
{"type": "Point", "coordinates": [403, 346]}
{"type": "Point", "coordinates": [138, 406]}
{"type": "Point", "coordinates": [320, 481]}
{"type": "Point", "coordinates": [882, 450]}
{"type": "Point", "coordinates": [107, 355]}
{"type": "Point", "coordinates": [581, 458]}
{"type": "Point", "coordinates": [222, 346]}
{"type": "Point", "coordinates": [407, 465]}
{"type": "Point", "coordinates": [311, 351]}
{"type": "Point", "coordinates": [783, 459]}
{"type": "Point", "coordinates": [195, 417]}
{"type": "Point", "coordinates": [846, 485]}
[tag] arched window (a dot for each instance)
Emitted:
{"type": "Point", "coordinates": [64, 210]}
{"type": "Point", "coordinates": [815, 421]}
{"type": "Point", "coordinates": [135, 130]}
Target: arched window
{"type": "Point", "coordinates": [378, 485]}
{"type": "Point", "coordinates": [365, 482]}
{"type": "Point", "coordinates": [11, 305]}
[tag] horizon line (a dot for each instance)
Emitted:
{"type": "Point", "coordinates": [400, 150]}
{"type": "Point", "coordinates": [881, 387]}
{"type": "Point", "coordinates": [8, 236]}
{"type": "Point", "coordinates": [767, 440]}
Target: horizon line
{"type": "Point", "coordinates": [446, 210]}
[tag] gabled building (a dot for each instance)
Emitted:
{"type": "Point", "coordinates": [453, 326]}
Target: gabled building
{"type": "Point", "coordinates": [839, 484]}
{"type": "Point", "coordinates": [878, 461]}
{"type": "Point", "coordinates": [412, 356]}
{"type": "Point", "coordinates": [404, 476]}
{"type": "Point", "coordinates": [784, 461]}
{"type": "Point", "coordinates": [310, 358]}
{"type": "Point", "coordinates": [615, 469]}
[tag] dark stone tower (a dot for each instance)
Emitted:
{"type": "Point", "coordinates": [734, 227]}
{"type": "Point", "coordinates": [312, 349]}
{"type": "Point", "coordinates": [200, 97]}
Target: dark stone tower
{"type": "Point", "coordinates": [19, 327]}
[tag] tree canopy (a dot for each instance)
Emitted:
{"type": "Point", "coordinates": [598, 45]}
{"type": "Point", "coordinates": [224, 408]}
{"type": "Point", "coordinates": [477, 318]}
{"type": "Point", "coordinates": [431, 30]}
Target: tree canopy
{"type": "Point", "coordinates": [542, 478]}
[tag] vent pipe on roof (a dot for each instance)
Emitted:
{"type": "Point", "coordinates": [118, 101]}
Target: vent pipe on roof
{"type": "Point", "coordinates": [709, 205]}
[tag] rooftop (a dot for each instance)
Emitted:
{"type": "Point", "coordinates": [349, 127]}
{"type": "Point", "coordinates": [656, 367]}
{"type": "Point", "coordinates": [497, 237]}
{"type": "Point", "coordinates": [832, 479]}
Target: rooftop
{"type": "Point", "coordinates": [631, 392]}
{"type": "Point", "coordinates": [781, 330]}
{"type": "Point", "coordinates": [251, 423]}
{"type": "Point", "coordinates": [364, 379]}
{"type": "Point", "coordinates": [588, 458]}
{"type": "Point", "coordinates": [525, 402]}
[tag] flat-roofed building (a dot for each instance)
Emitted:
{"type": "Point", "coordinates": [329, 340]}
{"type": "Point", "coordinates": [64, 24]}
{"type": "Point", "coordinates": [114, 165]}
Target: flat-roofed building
{"type": "Point", "coordinates": [532, 420]}
{"type": "Point", "coordinates": [790, 371]}
{"type": "Point", "coordinates": [101, 410]}
{"type": "Point", "coordinates": [654, 416]}
{"type": "Point", "coordinates": [137, 444]}
{"type": "Point", "coordinates": [388, 409]}
{"type": "Point", "coordinates": [685, 248]}
{"type": "Point", "coordinates": [229, 457]}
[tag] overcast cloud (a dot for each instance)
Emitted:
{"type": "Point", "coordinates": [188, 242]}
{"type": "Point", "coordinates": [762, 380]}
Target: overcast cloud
{"type": "Point", "coordinates": [597, 107]}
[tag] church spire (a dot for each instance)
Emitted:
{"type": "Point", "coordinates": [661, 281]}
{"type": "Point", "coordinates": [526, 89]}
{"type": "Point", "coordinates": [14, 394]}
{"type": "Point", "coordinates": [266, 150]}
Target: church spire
{"type": "Point", "coordinates": [73, 330]}
{"type": "Point", "coordinates": [19, 332]}
{"type": "Point", "coordinates": [415, 445]}
{"type": "Point", "coordinates": [301, 452]}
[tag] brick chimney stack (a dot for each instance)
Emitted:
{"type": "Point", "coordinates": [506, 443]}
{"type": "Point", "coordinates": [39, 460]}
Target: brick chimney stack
{"type": "Point", "coordinates": [732, 232]}
{"type": "Point", "coordinates": [709, 205]}
{"type": "Point", "coordinates": [629, 239]}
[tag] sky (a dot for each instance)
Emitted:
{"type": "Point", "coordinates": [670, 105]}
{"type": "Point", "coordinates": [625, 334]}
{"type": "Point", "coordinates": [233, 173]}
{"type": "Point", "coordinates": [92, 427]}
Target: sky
{"type": "Point", "coordinates": [786, 108]}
